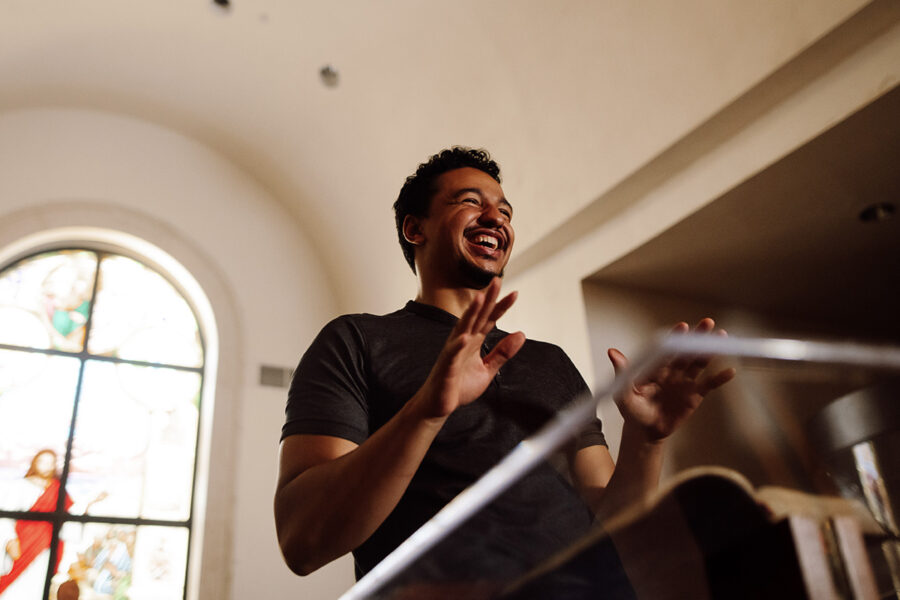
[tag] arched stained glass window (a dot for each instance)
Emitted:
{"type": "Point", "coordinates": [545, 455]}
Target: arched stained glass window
{"type": "Point", "coordinates": [101, 371]}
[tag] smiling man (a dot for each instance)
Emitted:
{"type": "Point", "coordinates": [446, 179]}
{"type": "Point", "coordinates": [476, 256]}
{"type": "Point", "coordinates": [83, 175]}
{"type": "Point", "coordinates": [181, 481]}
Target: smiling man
{"type": "Point", "coordinates": [390, 417]}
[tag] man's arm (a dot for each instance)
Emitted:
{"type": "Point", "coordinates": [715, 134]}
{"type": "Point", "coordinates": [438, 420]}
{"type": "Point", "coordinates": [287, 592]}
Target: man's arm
{"type": "Point", "coordinates": [652, 409]}
{"type": "Point", "coordinates": [608, 487]}
{"type": "Point", "coordinates": [332, 495]}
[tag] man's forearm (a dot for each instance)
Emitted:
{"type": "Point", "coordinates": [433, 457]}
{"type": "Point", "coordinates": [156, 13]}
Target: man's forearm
{"type": "Point", "coordinates": [331, 508]}
{"type": "Point", "coordinates": [636, 474]}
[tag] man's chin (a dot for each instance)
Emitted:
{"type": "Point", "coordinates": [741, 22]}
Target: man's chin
{"type": "Point", "coordinates": [476, 277]}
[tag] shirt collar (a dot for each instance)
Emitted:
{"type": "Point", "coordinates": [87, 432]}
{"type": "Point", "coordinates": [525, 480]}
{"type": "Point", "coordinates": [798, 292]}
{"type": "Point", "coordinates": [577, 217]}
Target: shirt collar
{"type": "Point", "coordinates": [431, 312]}
{"type": "Point", "coordinates": [440, 315]}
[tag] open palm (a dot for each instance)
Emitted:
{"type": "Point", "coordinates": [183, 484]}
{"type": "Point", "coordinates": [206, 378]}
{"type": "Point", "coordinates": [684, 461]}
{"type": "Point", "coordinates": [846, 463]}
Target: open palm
{"type": "Point", "coordinates": [660, 402]}
{"type": "Point", "coordinates": [461, 374]}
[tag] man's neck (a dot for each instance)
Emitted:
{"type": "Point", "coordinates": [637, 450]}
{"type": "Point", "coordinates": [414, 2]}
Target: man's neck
{"type": "Point", "coordinates": [453, 300]}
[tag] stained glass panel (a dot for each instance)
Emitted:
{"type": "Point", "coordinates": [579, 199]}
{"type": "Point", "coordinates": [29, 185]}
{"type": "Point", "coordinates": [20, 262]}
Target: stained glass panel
{"type": "Point", "coordinates": [134, 440]}
{"type": "Point", "coordinates": [21, 581]}
{"type": "Point", "coordinates": [45, 300]}
{"type": "Point", "coordinates": [37, 394]}
{"type": "Point", "coordinates": [141, 316]}
{"type": "Point", "coordinates": [111, 562]}
{"type": "Point", "coordinates": [133, 450]}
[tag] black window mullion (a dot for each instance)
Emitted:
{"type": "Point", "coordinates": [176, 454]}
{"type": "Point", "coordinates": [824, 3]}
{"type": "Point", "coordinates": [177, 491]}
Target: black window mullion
{"type": "Point", "coordinates": [61, 494]}
{"type": "Point", "coordinates": [98, 357]}
{"type": "Point", "coordinates": [59, 516]}
{"type": "Point", "coordinates": [90, 317]}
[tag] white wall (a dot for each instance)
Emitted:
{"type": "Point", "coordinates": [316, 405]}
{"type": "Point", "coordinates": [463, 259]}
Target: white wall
{"type": "Point", "coordinates": [270, 295]}
{"type": "Point", "coordinates": [848, 69]}
{"type": "Point", "coordinates": [851, 67]}
{"type": "Point", "coordinates": [65, 168]}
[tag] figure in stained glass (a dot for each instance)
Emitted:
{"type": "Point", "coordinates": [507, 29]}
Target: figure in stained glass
{"type": "Point", "coordinates": [113, 564]}
{"type": "Point", "coordinates": [67, 293]}
{"type": "Point", "coordinates": [27, 545]}
{"type": "Point", "coordinates": [132, 428]}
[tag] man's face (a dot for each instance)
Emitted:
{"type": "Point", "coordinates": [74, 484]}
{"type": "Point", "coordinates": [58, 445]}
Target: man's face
{"type": "Point", "coordinates": [467, 232]}
{"type": "Point", "coordinates": [45, 465]}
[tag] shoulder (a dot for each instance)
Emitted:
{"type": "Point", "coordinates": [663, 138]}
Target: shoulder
{"type": "Point", "coordinates": [549, 362]}
{"type": "Point", "coordinates": [358, 325]}
{"type": "Point", "coordinates": [363, 322]}
{"type": "Point", "coordinates": [545, 351]}
{"type": "Point", "coordinates": [535, 350]}
{"type": "Point", "coordinates": [360, 334]}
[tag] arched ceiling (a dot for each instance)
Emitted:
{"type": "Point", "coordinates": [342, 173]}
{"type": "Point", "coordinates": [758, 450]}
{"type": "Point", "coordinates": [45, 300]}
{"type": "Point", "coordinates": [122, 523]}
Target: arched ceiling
{"type": "Point", "coordinates": [570, 96]}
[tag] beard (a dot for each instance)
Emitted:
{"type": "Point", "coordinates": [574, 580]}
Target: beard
{"type": "Point", "coordinates": [475, 277]}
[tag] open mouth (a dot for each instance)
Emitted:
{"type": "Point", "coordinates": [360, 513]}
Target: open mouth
{"type": "Point", "coordinates": [486, 241]}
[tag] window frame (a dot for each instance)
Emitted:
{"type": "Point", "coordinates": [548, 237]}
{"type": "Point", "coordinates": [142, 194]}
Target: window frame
{"type": "Point", "coordinates": [59, 516]}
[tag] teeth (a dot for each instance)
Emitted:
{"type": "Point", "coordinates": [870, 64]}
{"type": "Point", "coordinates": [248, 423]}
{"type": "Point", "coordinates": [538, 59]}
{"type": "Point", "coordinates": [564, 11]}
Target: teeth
{"type": "Point", "coordinates": [487, 240]}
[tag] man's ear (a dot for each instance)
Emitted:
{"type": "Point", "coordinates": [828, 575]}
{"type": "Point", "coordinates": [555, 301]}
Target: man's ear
{"type": "Point", "coordinates": [412, 230]}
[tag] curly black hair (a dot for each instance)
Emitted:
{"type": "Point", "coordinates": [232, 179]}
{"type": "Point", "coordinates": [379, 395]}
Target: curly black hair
{"type": "Point", "coordinates": [416, 193]}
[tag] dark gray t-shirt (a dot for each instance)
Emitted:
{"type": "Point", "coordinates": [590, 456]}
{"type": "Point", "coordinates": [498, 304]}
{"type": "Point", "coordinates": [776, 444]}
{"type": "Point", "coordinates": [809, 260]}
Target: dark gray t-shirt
{"type": "Point", "coordinates": [361, 369]}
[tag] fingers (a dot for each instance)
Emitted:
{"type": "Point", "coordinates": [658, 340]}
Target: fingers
{"type": "Point", "coordinates": [504, 350]}
{"type": "Point", "coordinates": [487, 307]}
{"type": "Point", "coordinates": [620, 363]}
{"type": "Point", "coordinates": [681, 327]}
{"type": "Point", "coordinates": [618, 360]}
{"type": "Point", "coordinates": [679, 362]}
{"type": "Point", "coordinates": [690, 366]}
{"type": "Point", "coordinates": [683, 367]}
{"type": "Point", "coordinates": [483, 312]}
{"type": "Point", "coordinates": [469, 317]}
{"type": "Point", "coordinates": [694, 369]}
{"type": "Point", "coordinates": [705, 324]}
{"type": "Point", "coordinates": [713, 381]}
{"type": "Point", "coordinates": [500, 309]}
{"type": "Point", "coordinates": [684, 361]}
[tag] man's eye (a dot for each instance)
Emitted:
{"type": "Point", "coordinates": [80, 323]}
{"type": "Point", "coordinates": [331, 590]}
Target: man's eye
{"type": "Point", "coordinates": [506, 214]}
{"type": "Point", "coordinates": [470, 200]}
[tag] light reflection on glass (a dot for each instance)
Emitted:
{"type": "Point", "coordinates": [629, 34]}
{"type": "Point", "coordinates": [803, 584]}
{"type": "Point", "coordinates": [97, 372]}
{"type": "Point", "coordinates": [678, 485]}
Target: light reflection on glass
{"type": "Point", "coordinates": [140, 316]}
{"type": "Point", "coordinates": [37, 394]}
{"type": "Point", "coordinates": [139, 451]}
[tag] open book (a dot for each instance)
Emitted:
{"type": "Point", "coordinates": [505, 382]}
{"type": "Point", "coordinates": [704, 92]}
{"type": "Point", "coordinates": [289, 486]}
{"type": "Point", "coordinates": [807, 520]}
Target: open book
{"type": "Point", "coordinates": [707, 533]}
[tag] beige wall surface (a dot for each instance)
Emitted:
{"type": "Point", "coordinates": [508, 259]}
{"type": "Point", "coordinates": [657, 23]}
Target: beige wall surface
{"type": "Point", "coordinates": [606, 142]}
{"type": "Point", "coordinates": [267, 290]}
{"type": "Point", "coordinates": [848, 69]}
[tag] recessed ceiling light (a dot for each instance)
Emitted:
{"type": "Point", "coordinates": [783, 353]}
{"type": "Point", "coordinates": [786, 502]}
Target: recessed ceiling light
{"type": "Point", "coordinates": [329, 76]}
{"type": "Point", "coordinates": [878, 212]}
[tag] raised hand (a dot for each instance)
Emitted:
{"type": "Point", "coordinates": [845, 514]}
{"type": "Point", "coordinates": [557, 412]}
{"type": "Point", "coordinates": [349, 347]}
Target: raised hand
{"type": "Point", "coordinates": [661, 401]}
{"type": "Point", "coordinates": [461, 374]}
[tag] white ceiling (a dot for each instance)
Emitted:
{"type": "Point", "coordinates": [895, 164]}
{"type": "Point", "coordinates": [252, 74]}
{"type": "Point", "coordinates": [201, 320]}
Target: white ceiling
{"type": "Point", "coordinates": [570, 96]}
{"type": "Point", "coordinates": [789, 242]}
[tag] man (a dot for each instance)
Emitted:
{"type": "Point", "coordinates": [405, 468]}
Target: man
{"type": "Point", "coordinates": [27, 545]}
{"type": "Point", "coordinates": [390, 417]}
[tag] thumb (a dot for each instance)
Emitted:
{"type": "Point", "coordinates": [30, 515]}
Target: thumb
{"type": "Point", "coordinates": [504, 350]}
{"type": "Point", "coordinates": [618, 360]}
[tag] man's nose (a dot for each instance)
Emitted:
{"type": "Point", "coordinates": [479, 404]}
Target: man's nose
{"type": "Point", "coordinates": [492, 216]}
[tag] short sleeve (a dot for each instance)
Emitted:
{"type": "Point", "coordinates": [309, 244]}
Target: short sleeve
{"type": "Point", "coordinates": [329, 387]}
{"type": "Point", "coordinates": [592, 434]}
